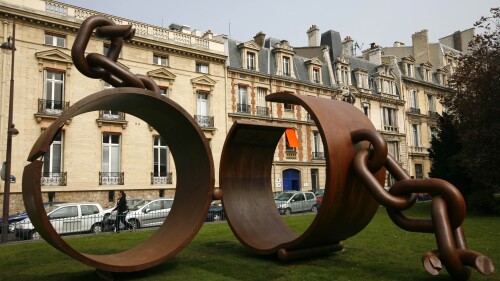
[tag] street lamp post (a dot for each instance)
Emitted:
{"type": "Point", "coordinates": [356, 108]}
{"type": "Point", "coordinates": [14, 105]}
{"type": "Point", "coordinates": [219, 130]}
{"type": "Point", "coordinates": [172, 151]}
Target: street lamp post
{"type": "Point", "coordinates": [11, 130]}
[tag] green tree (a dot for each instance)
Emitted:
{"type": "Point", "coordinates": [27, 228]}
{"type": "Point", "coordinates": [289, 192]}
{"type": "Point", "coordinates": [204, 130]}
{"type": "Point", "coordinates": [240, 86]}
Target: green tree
{"type": "Point", "coordinates": [444, 153]}
{"type": "Point", "coordinates": [476, 107]}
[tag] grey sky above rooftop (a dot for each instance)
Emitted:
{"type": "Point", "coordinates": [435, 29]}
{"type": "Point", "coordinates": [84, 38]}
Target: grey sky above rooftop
{"type": "Point", "coordinates": [382, 21]}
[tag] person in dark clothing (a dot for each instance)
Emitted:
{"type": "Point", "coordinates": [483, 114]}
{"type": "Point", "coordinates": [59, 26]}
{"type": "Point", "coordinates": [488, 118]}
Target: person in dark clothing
{"type": "Point", "coordinates": [122, 209]}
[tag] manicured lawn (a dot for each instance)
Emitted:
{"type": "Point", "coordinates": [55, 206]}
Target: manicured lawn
{"type": "Point", "coordinates": [382, 251]}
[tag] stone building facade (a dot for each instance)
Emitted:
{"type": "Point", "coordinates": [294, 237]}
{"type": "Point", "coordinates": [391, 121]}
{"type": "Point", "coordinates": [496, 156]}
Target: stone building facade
{"type": "Point", "coordinates": [218, 81]}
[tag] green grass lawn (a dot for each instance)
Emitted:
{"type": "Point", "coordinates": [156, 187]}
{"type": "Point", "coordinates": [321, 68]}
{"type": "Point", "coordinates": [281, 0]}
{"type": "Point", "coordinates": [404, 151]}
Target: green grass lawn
{"type": "Point", "coordinates": [382, 251]}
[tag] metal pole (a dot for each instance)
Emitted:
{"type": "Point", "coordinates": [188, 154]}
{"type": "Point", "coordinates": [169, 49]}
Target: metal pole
{"type": "Point", "coordinates": [6, 192]}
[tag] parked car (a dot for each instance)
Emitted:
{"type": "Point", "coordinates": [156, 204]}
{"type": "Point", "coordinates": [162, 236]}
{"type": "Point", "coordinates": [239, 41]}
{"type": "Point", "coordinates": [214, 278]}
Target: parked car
{"type": "Point", "coordinates": [216, 211]}
{"type": "Point", "coordinates": [148, 213]}
{"type": "Point", "coordinates": [23, 215]}
{"type": "Point", "coordinates": [319, 199]}
{"type": "Point", "coordinates": [295, 201]}
{"type": "Point", "coordinates": [66, 218]}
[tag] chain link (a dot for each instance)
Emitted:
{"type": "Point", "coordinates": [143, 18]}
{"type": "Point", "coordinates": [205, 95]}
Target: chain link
{"type": "Point", "coordinates": [105, 67]}
{"type": "Point", "coordinates": [447, 214]}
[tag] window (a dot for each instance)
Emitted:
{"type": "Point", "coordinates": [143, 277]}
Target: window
{"type": "Point", "coordinates": [413, 101]}
{"type": "Point", "coordinates": [390, 123]}
{"type": "Point", "coordinates": [261, 106]}
{"type": "Point", "coordinates": [344, 76]}
{"type": "Point", "coordinates": [160, 60]}
{"type": "Point", "coordinates": [315, 73]}
{"type": "Point", "coordinates": [431, 104]}
{"type": "Point", "coordinates": [65, 212]}
{"type": "Point", "coordinates": [160, 157]}
{"type": "Point", "coordinates": [416, 135]}
{"type": "Point", "coordinates": [317, 146]}
{"type": "Point", "coordinates": [202, 110]}
{"type": "Point", "coordinates": [288, 107]}
{"type": "Point", "coordinates": [52, 160]}
{"type": "Point", "coordinates": [393, 149]}
{"type": "Point", "coordinates": [201, 67]}
{"type": "Point", "coordinates": [243, 105]}
{"type": "Point", "coordinates": [314, 179]}
{"type": "Point", "coordinates": [286, 66]}
{"type": "Point", "coordinates": [88, 210]}
{"type": "Point", "coordinates": [54, 91]}
{"type": "Point", "coordinates": [110, 155]}
{"type": "Point", "coordinates": [164, 91]}
{"type": "Point", "coordinates": [291, 140]}
{"type": "Point", "coordinates": [409, 70]}
{"type": "Point", "coordinates": [251, 61]}
{"type": "Point", "coordinates": [419, 173]}
{"type": "Point", "coordinates": [366, 109]}
{"type": "Point", "coordinates": [110, 114]}
{"type": "Point", "coordinates": [56, 40]}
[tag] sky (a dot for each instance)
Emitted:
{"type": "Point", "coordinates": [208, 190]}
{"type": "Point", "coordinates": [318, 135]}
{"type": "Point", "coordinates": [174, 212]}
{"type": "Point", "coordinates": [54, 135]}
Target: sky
{"type": "Point", "coordinates": [382, 22]}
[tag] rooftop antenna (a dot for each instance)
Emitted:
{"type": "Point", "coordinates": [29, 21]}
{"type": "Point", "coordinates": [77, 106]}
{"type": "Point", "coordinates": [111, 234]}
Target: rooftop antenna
{"type": "Point", "coordinates": [356, 46]}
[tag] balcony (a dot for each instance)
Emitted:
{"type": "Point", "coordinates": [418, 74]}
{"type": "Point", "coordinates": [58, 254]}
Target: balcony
{"type": "Point", "coordinates": [318, 155]}
{"type": "Point", "coordinates": [161, 179]}
{"type": "Point", "coordinates": [262, 111]}
{"type": "Point", "coordinates": [204, 121]}
{"type": "Point", "coordinates": [414, 110]}
{"type": "Point", "coordinates": [418, 150]}
{"type": "Point", "coordinates": [433, 114]}
{"type": "Point", "coordinates": [391, 128]}
{"type": "Point", "coordinates": [50, 109]}
{"type": "Point", "coordinates": [110, 116]}
{"type": "Point", "coordinates": [243, 108]}
{"type": "Point", "coordinates": [111, 178]}
{"type": "Point", "coordinates": [291, 154]}
{"type": "Point", "coordinates": [54, 179]}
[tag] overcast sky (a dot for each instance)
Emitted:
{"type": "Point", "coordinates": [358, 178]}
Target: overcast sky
{"type": "Point", "coordinates": [382, 21]}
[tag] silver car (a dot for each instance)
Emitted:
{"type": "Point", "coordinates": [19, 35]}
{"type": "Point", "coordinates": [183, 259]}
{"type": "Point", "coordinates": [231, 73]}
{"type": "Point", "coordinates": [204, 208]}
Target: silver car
{"type": "Point", "coordinates": [289, 202]}
{"type": "Point", "coordinates": [151, 213]}
{"type": "Point", "coordinates": [66, 218]}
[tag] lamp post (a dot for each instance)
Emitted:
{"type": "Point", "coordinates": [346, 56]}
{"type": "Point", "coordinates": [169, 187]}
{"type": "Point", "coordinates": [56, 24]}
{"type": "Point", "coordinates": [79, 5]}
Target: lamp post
{"type": "Point", "coordinates": [11, 130]}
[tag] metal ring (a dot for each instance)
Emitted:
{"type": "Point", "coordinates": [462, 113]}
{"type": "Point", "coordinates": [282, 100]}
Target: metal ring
{"type": "Point", "coordinates": [255, 220]}
{"type": "Point", "coordinates": [195, 178]}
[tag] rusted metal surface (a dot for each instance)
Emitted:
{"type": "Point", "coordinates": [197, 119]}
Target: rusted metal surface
{"type": "Point", "coordinates": [195, 178]}
{"type": "Point", "coordinates": [356, 163]}
{"type": "Point", "coordinates": [245, 178]}
{"type": "Point", "coordinates": [447, 215]}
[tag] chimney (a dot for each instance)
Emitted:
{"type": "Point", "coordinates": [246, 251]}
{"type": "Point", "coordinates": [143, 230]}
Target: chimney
{"type": "Point", "coordinates": [374, 54]}
{"type": "Point", "coordinates": [260, 38]}
{"type": "Point", "coordinates": [420, 43]}
{"type": "Point", "coordinates": [208, 34]}
{"type": "Point", "coordinates": [313, 35]}
{"type": "Point", "coordinates": [348, 47]}
{"type": "Point", "coordinates": [398, 44]}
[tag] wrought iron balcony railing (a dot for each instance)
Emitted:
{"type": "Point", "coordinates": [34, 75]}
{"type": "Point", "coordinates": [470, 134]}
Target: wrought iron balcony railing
{"type": "Point", "coordinates": [414, 110]}
{"type": "Point", "coordinates": [111, 178]}
{"type": "Point", "coordinates": [391, 128]}
{"type": "Point", "coordinates": [54, 179]}
{"type": "Point", "coordinates": [318, 155]}
{"type": "Point", "coordinates": [205, 121]}
{"type": "Point", "coordinates": [162, 178]}
{"type": "Point", "coordinates": [111, 115]}
{"type": "Point", "coordinates": [52, 107]}
{"type": "Point", "coordinates": [263, 111]}
{"type": "Point", "coordinates": [243, 108]}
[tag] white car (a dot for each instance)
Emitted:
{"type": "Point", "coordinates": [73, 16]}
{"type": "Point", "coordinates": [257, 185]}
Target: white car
{"type": "Point", "coordinates": [151, 213]}
{"type": "Point", "coordinates": [66, 218]}
{"type": "Point", "coordinates": [289, 202]}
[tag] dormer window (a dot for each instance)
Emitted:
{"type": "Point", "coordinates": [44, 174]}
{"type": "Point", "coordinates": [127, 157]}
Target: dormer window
{"type": "Point", "coordinates": [361, 79]}
{"type": "Point", "coordinates": [286, 66]}
{"type": "Point", "coordinates": [409, 70]}
{"type": "Point", "coordinates": [250, 61]}
{"type": "Point", "coordinates": [250, 55]}
{"type": "Point", "coordinates": [316, 75]}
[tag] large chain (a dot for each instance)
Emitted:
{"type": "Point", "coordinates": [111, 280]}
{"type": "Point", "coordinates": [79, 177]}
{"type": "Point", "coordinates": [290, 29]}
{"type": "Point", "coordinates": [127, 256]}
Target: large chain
{"type": "Point", "coordinates": [105, 67]}
{"type": "Point", "coordinates": [447, 212]}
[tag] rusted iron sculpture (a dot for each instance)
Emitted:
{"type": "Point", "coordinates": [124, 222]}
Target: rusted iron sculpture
{"type": "Point", "coordinates": [356, 165]}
